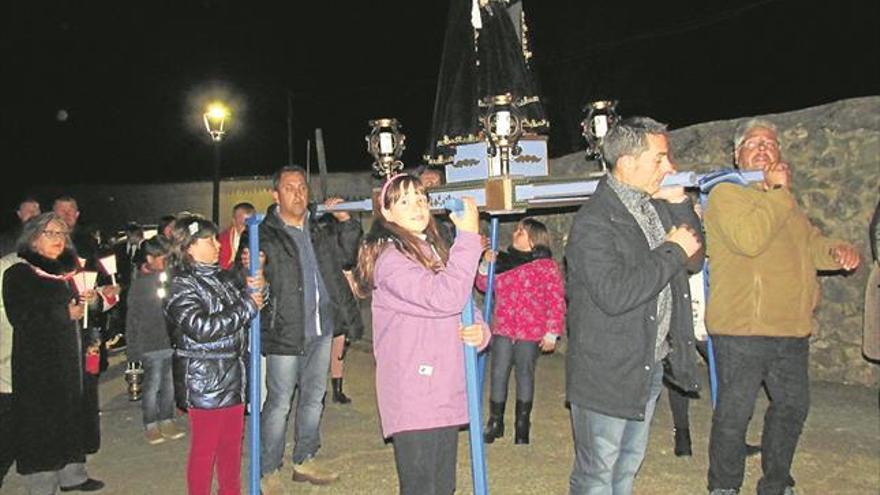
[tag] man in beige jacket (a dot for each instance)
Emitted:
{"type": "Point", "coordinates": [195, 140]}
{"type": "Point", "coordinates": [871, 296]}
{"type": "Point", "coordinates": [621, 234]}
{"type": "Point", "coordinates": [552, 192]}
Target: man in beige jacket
{"type": "Point", "coordinates": [763, 256]}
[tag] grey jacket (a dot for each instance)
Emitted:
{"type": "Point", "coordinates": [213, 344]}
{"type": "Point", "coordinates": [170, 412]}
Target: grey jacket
{"type": "Point", "coordinates": [613, 280]}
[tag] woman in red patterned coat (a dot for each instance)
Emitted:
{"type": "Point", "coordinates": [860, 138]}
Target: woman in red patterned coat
{"type": "Point", "coordinates": [529, 318]}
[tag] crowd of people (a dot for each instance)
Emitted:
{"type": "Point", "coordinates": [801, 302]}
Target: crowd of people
{"type": "Point", "coordinates": [625, 299]}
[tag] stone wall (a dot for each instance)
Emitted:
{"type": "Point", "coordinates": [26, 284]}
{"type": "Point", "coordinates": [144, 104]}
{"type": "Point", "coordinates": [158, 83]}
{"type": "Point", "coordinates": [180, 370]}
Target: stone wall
{"type": "Point", "coordinates": [834, 150]}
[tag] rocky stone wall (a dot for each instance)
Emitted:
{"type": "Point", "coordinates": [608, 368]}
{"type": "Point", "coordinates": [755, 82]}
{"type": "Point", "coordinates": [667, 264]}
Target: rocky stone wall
{"type": "Point", "coordinates": [834, 151]}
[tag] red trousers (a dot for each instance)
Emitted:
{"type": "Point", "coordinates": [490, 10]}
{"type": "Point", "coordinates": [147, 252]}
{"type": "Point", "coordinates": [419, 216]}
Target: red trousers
{"type": "Point", "coordinates": [215, 436]}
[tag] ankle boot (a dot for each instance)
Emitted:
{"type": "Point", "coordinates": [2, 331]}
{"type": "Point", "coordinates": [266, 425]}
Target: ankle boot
{"type": "Point", "coordinates": [338, 396]}
{"type": "Point", "coordinates": [495, 425]}
{"type": "Point", "coordinates": [682, 442]}
{"type": "Point", "coordinates": [523, 422]}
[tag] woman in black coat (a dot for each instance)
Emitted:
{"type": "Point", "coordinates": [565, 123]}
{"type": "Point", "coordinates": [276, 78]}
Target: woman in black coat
{"type": "Point", "coordinates": [51, 411]}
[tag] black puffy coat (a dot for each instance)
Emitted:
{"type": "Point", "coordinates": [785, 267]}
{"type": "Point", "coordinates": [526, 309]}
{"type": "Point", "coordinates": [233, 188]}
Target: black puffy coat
{"type": "Point", "coordinates": [335, 244]}
{"type": "Point", "coordinates": [208, 316]}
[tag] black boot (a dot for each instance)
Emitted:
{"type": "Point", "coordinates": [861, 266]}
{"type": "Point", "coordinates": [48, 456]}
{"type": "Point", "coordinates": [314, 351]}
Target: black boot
{"type": "Point", "coordinates": [495, 425]}
{"type": "Point", "coordinates": [523, 422]}
{"type": "Point", "coordinates": [682, 442]}
{"type": "Point", "coordinates": [338, 396]}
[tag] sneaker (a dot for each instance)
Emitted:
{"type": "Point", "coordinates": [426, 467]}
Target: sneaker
{"type": "Point", "coordinates": [153, 435]}
{"type": "Point", "coordinates": [115, 343]}
{"type": "Point", "coordinates": [270, 484]}
{"type": "Point", "coordinates": [169, 430]}
{"type": "Point", "coordinates": [310, 470]}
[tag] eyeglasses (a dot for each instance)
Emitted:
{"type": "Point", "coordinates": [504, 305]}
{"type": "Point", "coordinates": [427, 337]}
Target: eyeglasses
{"type": "Point", "coordinates": [753, 144]}
{"type": "Point", "coordinates": [55, 234]}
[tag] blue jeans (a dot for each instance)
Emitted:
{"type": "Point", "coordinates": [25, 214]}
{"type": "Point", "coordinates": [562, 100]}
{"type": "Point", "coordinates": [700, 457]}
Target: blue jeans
{"type": "Point", "coordinates": [610, 450]}
{"type": "Point", "coordinates": [743, 364]}
{"type": "Point", "coordinates": [157, 402]}
{"type": "Point", "coordinates": [520, 355]}
{"type": "Point", "coordinates": [284, 375]}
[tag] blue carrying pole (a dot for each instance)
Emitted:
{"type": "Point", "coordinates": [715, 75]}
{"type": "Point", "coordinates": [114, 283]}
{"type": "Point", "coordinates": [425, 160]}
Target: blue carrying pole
{"type": "Point", "coordinates": [478, 454]}
{"type": "Point", "coordinates": [490, 295]}
{"type": "Point", "coordinates": [710, 349]}
{"type": "Point", "coordinates": [253, 223]}
{"type": "Point", "coordinates": [706, 183]}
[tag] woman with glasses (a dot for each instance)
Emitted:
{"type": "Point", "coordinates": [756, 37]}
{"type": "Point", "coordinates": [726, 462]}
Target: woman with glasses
{"type": "Point", "coordinates": [50, 410]}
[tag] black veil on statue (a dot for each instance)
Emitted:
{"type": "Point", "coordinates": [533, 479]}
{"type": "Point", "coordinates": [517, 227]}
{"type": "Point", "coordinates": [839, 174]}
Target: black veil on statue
{"type": "Point", "coordinates": [476, 63]}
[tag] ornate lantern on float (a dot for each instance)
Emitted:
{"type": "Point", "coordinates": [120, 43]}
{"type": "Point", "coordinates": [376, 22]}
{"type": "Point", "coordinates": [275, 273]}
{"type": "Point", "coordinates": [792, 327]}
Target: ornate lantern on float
{"type": "Point", "coordinates": [386, 143]}
{"type": "Point", "coordinates": [502, 127]}
{"type": "Point", "coordinates": [601, 116]}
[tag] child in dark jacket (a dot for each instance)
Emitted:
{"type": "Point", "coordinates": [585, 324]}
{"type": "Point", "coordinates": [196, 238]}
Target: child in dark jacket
{"type": "Point", "coordinates": [529, 318]}
{"type": "Point", "coordinates": [149, 342]}
{"type": "Point", "coordinates": [209, 314]}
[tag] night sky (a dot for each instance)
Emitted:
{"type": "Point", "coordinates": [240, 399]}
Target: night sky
{"type": "Point", "coordinates": [114, 91]}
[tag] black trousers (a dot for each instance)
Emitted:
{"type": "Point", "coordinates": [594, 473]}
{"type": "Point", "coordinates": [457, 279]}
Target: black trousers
{"type": "Point", "coordinates": [679, 399]}
{"type": "Point", "coordinates": [426, 461]}
{"type": "Point", "coordinates": [743, 364]}
{"type": "Point", "coordinates": [7, 434]}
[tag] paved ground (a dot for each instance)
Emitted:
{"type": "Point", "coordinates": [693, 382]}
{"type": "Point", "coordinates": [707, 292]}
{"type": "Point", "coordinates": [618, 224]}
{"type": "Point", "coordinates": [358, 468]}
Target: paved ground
{"type": "Point", "coordinates": [839, 453]}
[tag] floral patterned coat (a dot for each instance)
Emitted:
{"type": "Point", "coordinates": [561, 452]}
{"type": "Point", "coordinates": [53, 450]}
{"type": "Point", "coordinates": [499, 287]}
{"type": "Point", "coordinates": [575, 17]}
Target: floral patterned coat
{"type": "Point", "coordinates": [529, 301]}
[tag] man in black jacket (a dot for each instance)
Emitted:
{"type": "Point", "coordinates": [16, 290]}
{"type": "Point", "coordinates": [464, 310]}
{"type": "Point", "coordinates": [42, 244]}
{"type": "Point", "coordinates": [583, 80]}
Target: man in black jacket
{"type": "Point", "coordinates": [628, 255]}
{"type": "Point", "coordinates": [305, 259]}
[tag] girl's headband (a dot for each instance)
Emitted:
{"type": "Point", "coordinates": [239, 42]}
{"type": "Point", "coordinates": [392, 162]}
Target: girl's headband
{"type": "Point", "coordinates": [385, 187]}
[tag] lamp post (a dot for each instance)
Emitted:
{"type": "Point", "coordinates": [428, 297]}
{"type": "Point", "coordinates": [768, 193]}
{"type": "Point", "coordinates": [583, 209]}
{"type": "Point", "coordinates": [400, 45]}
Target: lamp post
{"type": "Point", "coordinates": [215, 123]}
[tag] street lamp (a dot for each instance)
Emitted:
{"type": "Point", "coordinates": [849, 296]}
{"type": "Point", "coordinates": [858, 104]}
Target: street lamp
{"type": "Point", "coordinates": [215, 123]}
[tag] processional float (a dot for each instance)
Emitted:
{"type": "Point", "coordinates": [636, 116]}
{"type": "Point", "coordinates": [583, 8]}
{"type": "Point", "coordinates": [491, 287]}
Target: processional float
{"type": "Point", "coordinates": [486, 132]}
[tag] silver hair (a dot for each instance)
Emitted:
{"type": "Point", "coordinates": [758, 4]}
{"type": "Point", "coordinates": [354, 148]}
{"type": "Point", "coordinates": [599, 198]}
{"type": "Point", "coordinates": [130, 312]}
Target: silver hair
{"type": "Point", "coordinates": [744, 127]}
{"type": "Point", "coordinates": [35, 226]}
{"type": "Point", "coordinates": [629, 137]}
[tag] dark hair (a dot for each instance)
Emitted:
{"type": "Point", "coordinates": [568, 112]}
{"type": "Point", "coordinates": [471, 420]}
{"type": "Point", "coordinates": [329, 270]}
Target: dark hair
{"type": "Point", "coordinates": [537, 231]}
{"type": "Point", "coordinates": [629, 137]}
{"type": "Point", "coordinates": [35, 226]}
{"type": "Point", "coordinates": [65, 199]}
{"type": "Point", "coordinates": [384, 234]}
{"type": "Point", "coordinates": [244, 205]}
{"type": "Point", "coordinates": [287, 169]}
{"type": "Point", "coordinates": [164, 221]}
{"type": "Point", "coordinates": [155, 246]}
{"type": "Point", "coordinates": [188, 228]}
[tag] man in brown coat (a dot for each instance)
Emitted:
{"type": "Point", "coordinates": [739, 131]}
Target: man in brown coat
{"type": "Point", "coordinates": [763, 256]}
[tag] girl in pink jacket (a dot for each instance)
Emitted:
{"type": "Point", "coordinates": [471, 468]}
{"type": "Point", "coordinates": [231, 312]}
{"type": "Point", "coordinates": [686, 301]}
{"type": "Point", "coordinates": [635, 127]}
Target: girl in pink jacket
{"type": "Point", "coordinates": [529, 317]}
{"type": "Point", "coordinates": [419, 288]}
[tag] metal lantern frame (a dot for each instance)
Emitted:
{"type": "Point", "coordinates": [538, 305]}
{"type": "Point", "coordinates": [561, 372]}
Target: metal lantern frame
{"type": "Point", "coordinates": [601, 117]}
{"type": "Point", "coordinates": [386, 143]}
{"type": "Point", "coordinates": [502, 126]}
